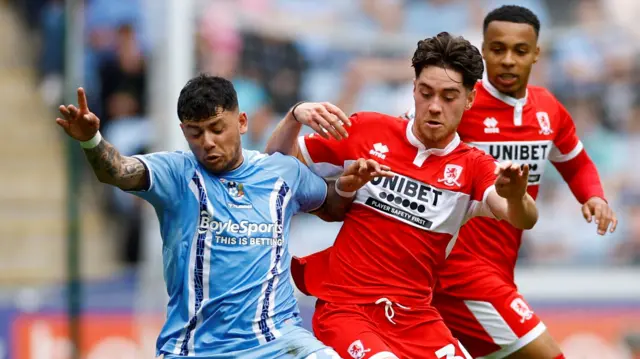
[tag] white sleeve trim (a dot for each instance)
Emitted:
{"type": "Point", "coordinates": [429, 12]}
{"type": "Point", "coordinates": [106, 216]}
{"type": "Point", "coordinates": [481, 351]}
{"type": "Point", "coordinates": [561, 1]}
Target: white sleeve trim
{"type": "Point", "coordinates": [322, 169]}
{"type": "Point", "coordinates": [486, 209]}
{"type": "Point", "coordinates": [324, 199]}
{"type": "Point", "coordinates": [303, 149]}
{"type": "Point", "coordinates": [150, 174]}
{"type": "Point", "coordinates": [487, 192]}
{"type": "Point", "coordinates": [557, 156]}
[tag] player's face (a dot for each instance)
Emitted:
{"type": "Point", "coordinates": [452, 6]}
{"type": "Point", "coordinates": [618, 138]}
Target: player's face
{"type": "Point", "coordinates": [440, 99]}
{"type": "Point", "coordinates": [510, 50]}
{"type": "Point", "coordinates": [216, 141]}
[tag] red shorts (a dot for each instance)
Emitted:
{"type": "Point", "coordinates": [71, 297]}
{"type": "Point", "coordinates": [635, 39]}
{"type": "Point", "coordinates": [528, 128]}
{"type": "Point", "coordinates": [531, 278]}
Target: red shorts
{"type": "Point", "coordinates": [493, 327]}
{"type": "Point", "coordinates": [385, 330]}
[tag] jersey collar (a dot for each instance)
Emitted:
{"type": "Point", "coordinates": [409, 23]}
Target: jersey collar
{"type": "Point", "coordinates": [434, 151]}
{"type": "Point", "coordinates": [511, 101]}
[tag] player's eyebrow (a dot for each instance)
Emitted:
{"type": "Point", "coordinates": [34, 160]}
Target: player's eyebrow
{"type": "Point", "coordinates": [501, 43]}
{"type": "Point", "coordinates": [446, 89]}
{"type": "Point", "coordinates": [199, 124]}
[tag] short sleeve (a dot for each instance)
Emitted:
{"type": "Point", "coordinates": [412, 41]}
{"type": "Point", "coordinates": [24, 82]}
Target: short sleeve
{"type": "Point", "coordinates": [566, 144]}
{"type": "Point", "coordinates": [326, 156]}
{"type": "Point", "coordinates": [167, 178]}
{"type": "Point", "coordinates": [484, 180]}
{"type": "Point", "coordinates": [311, 190]}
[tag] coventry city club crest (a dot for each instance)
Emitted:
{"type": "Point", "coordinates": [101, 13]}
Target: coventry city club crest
{"type": "Point", "coordinates": [235, 189]}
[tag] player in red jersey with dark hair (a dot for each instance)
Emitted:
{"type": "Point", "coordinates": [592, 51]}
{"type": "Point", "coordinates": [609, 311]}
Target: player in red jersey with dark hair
{"type": "Point", "coordinates": [476, 293]}
{"type": "Point", "coordinates": [375, 284]}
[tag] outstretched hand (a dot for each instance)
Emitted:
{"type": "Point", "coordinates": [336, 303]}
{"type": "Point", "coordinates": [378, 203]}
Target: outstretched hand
{"type": "Point", "coordinates": [324, 118]}
{"type": "Point", "coordinates": [360, 173]}
{"type": "Point", "coordinates": [78, 122]}
{"type": "Point", "coordinates": [598, 209]}
{"type": "Point", "coordinates": [512, 180]}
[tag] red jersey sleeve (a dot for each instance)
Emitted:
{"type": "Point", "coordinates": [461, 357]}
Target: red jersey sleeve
{"type": "Point", "coordinates": [571, 160]}
{"type": "Point", "coordinates": [326, 156]}
{"type": "Point", "coordinates": [484, 180]}
{"type": "Point", "coordinates": [566, 144]}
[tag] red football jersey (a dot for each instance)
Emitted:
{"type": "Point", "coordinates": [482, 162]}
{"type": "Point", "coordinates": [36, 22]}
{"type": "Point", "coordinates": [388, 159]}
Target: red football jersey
{"type": "Point", "coordinates": [531, 130]}
{"type": "Point", "coordinates": [399, 229]}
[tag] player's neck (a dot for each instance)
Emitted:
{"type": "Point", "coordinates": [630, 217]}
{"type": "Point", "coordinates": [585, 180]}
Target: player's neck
{"type": "Point", "coordinates": [438, 144]}
{"type": "Point", "coordinates": [237, 163]}
{"type": "Point", "coordinates": [520, 94]}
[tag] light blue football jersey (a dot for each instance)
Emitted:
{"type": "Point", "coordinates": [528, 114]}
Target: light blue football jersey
{"type": "Point", "coordinates": [226, 257]}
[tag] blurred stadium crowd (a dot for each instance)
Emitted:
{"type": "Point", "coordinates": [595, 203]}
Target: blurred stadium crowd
{"type": "Point", "coordinates": [356, 55]}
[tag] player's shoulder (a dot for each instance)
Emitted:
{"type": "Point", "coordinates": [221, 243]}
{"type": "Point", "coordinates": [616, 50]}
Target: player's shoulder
{"type": "Point", "coordinates": [276, 162]}
{"type": "Point", "coordinates": [473, 154]}
{"type": "Point", "coordinates": [541, 95]}
{"type": "Point", "coordinates": [185, 158]}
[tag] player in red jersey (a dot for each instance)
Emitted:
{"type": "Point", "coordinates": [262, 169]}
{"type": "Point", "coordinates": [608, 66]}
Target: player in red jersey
{"type": "Point", "coordinates": [476, 294]}
{"type": "Point", "coordinates": [375, 284]}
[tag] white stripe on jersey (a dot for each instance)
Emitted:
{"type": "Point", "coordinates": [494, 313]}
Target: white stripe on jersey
{"type": "Point", "coordinates": [206, 272]}
{"type": "Point", "coordinates": [274, 218]}
{"type": "Point", "coordinates": [557, 156]}
{"type": "Point", "coordinates": [191, 265]}
{"type": "Point", "coordinates": [263, 292]}
{"type": "Point", "coordinates": [492, 322]}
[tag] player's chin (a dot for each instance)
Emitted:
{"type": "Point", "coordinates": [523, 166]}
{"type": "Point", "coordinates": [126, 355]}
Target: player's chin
{"type": "Point", "coordinates": [508, 89]}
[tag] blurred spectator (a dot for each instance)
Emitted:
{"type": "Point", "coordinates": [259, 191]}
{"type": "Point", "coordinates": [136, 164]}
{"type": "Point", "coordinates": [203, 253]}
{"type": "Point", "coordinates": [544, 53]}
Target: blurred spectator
{"type": "Point", "coordinates": [123, 71]}
{"type": "Point", "coordinates": [52, 50]}
{"type": "Point", "coordinates": [628, 252]}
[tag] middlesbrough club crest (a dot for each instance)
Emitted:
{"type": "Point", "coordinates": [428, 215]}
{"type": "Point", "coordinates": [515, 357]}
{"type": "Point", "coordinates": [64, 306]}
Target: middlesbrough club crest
{"type": "Point", "coordinates": [451, 175]}
{"type": "Point", "coordinates": [357, 350]}
{"type": "Point", "coordinates": [522, 309]}
{"type": "Point", "coordinates": [545, 123]}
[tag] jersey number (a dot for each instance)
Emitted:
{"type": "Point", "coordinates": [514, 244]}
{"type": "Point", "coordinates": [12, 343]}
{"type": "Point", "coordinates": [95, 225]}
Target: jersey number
{"type": "Point", "coordinates": [449, 352]}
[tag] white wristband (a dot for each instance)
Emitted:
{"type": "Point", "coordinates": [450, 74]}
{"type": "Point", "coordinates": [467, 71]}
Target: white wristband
{"type": "Point", "coordinates": [93, 142]}
{"type": "Point", "coordinates": [343, 193]}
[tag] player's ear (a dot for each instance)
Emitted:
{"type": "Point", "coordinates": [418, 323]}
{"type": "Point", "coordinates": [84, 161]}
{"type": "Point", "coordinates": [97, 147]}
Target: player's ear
{"type": "Point", "coordinates": [243, 122]}
{"type": "Point", "coordinates": [470, 98]}
{"type": "Point", "coordinates": [537, 54]}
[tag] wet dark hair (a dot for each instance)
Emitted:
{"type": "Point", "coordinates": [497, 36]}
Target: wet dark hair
{"type": "Point", "coordinates": [205, 96]}
{"type": "Point", "coordinates": [450, 52]}
{"type": "Point", "coordinates": [513, 13]}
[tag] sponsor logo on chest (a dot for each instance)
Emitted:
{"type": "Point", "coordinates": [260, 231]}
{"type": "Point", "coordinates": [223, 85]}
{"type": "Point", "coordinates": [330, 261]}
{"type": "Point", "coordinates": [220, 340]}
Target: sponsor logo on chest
{"type": "Point", "coordinates": [533, 153]}
{"type": "Point", "coordinates": [411, 201]}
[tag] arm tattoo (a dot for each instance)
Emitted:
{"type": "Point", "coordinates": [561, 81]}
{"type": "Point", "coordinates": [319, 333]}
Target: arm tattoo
{"type": "Point", "coordinates": [112, 168]}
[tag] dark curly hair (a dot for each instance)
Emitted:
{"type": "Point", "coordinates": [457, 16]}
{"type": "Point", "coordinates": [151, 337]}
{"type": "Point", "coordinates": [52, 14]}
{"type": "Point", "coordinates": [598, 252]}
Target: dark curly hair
{"type": "Point", "coordinates": [450, 52]}
{"type": "Point", "coordinates": [205, 96]}
{"type": "Point", "coordinates": [513, 13]}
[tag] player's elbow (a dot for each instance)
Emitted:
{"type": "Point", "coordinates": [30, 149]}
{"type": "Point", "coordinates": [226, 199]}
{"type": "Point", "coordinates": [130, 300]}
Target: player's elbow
{"type": "Point", "coordinates": [528, 218]}
{"type": "Point", "coordinates": [529, 222]}
{"type": "Point", "coordinates": [328, 215]}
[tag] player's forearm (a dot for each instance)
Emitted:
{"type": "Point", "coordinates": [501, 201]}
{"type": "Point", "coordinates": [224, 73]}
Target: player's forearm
{"type": "Point", "coordinates": [335, 206]}
{"type": "Point", "coordinates": [284, 138]}
{"type": "Point", "coordinates": [522, 213]}
{"type": "Point", "coordinates": [112, 168]}
{"type": "Point", "coordinates": [581, 175]}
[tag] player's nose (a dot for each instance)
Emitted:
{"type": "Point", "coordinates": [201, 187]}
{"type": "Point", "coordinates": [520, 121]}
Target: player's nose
{"type": "Point", "coordinates": [508, 59]}
{"type": "Point", "coordinates": [208, 141]}
{"type": "Point", "coordinates": [435, 108]}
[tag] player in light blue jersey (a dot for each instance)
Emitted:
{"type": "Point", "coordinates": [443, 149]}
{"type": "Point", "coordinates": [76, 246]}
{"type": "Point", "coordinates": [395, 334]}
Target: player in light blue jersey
{"type": "Point", "coordinates": [224, 214]}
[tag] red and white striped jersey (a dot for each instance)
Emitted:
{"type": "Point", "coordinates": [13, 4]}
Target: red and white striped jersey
{"type": "Point", "coordinates": [399, 229]}
{"type": "Point", "coordinates": [530, 130]}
